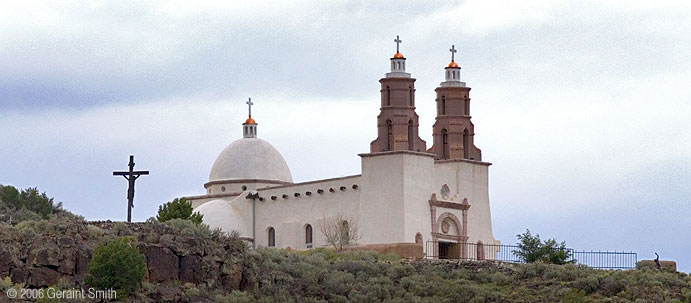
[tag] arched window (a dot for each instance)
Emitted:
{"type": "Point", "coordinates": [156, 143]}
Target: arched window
{"type": "Point", "coordinates": [467, 106]}
{"type": "Point", "coordinates": [389, 135]}
{"type": "Point", "coordinates": [410, 97]}
{"type": "Point", "coordinates": [445, 144]}
{"type": "Point", "coordinates": [411, 136]}
{"type": "Point", "coordinates": [308, 235]}
{"type": "Point", "coordinates": [443, 105]}
{"type": "Point", "coordinates": [272, 237]}
{"type": "Point", "coordinates": [388, 96]}
{"type": "Point", "coordinates": [466, 144]}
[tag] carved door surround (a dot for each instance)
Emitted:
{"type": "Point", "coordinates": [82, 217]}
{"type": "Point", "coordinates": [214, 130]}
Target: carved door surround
{"type": "Point", "coordinates": [441, 224]}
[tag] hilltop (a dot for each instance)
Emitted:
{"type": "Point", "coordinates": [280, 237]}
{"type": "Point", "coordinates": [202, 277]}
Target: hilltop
{"type": "Point", "coordinates": [186, 262]}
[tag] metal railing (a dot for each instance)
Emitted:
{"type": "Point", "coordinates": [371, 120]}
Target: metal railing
{"type": "Point", "coordinates": [506, 253]}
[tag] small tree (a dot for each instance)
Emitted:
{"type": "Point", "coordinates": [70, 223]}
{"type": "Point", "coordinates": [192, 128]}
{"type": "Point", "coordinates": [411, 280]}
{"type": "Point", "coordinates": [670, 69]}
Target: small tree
{"type": "Point", "coordinates": [340, 231]}
{"type": "Point", "coordinates": [179, 208]}
{"type": "Point", "coordinates": [37, 202]}
{"type": "Point", "coordinates": [532, 249]}
{"type": "Point", "coordinates": [117, 264]}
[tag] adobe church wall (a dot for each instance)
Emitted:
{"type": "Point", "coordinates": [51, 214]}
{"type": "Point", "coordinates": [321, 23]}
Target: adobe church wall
{"type": "Point", "coordinates": [393, 186]}
{"type": "Point", "coordinates": [469, 179]}
{"type": "Point", "coordinates": [303, 204]}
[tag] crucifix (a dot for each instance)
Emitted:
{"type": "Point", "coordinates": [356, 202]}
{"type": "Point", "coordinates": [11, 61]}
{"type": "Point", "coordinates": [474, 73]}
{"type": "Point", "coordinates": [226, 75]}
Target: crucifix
{"type": "Point", "coordinates": [398, 41]}
{"type": "Point", "coordinates": [453, 52]}
{"type": "Point", "coordinates": [131, 176]}
{"type": "Point", "coordinates": [249, 103]}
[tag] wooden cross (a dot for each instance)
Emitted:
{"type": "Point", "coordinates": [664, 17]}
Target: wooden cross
{"type": "Point", "coordinates": [131, 176]}
{"type": "Point", "coordinates": [249, 103]}
{"type": "Point", "coordinates": [453, 52]}
{"type": "Point", "coordinates": [398, 41]}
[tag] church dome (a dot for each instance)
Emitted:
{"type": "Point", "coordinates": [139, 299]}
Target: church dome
{"type": "Point", "coordinates": [453, 64]}
{"type": "Point", "coordinates": [250, 158]}
{"type": "Point", "coordinates": [222, 214]}
{"type": "Point", "coordinates": [398, 55]}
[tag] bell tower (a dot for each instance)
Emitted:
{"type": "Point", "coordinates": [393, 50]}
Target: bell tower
{"type": "Point", "coordinates": [397, 123]}
{"type": "Point", "coordinates": [453, 131]}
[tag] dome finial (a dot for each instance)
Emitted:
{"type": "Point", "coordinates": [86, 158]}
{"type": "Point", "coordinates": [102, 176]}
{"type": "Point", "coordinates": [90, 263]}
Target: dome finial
{"type": "Point", "coordinates": [453, 53]}
{"type": "Point", "coordinates": [249, 128]}
{"type": "Point", "coordinates": [249, 103]}
{"type": "Point", "coordinates": [398, 54]}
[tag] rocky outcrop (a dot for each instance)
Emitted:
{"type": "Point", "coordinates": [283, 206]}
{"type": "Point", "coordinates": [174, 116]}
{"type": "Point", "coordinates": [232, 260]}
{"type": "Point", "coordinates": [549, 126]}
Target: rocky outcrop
{"type": "Point", "coordinates": [40, 254]}
{"type": "Point", "coordinates": [163, 265]}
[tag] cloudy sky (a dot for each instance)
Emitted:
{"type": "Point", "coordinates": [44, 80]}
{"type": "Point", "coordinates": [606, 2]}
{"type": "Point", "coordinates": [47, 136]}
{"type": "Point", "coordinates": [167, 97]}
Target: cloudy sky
{"type": "Point", "coordinates": [583, 107]}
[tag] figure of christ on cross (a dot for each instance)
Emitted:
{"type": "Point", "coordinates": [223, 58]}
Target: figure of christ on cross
{"type": "Point", "coordinates": [131, 176]}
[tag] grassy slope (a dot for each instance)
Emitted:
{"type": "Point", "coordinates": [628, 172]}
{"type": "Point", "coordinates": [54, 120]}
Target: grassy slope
{"type": "Point", "coordinates": [322, 275]}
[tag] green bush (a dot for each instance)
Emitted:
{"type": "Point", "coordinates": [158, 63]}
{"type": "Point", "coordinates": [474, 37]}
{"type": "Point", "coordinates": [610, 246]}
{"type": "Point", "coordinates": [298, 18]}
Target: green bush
{"type": "Point", "coordinates": [532, 249]}
{"type": "Point", "coordinates": [117, 264]}
{"type": "Point", "coordinates": [189, 228]}
{"type": "Point", "coordinates": [179, 208]}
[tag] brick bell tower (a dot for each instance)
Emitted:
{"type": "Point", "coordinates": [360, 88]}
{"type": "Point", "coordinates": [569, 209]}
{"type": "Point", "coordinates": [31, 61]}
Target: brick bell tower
{"type": "Point", "coordinates": [397, 123]}
{"type": "Point", "coordinates": [453, 131]}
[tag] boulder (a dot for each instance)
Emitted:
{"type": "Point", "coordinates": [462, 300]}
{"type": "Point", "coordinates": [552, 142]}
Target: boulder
{"type": "Point", "coordinates": [232, 276]}
{"type": "Point", "coordinates": [190, 269]}
{"type": "Point", "coordinates": [82, 261]}
{"type": "Point", "coordinates": [66, 241]}
{"type": "Point", "coordinates": [44, 252]}
{"type": "Point", "coordinates": [5, 263]}
{"type": "Point", "coordinates": [68, 261]}
{"type": "Point", "coordinates": [43, 276]}
{"type": "Point", "coordinates": [163, 265]}
{"type": "Point", "coordinates": [19, 275]}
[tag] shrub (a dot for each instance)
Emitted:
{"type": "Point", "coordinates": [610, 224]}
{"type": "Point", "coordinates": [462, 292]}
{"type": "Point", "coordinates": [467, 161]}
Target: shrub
{"type": "Point", "coordinates": [189, 228]}
{"type": "Point", "coordinates": [179, 208]}
{"type": "Point", "coordinates": [117, 264]}
{"type": "Point", "coordinates": [235, 297]}
{"type": "Point", "coordinates": [532, 249]}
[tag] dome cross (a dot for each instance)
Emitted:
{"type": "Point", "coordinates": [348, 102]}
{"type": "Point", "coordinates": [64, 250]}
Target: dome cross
{"type": "Point", "coordinates": [249, 103]}
{"type": "Point", "coordinates": [453, 52]}
{"type": "Point", "coordinates": [398, 42]}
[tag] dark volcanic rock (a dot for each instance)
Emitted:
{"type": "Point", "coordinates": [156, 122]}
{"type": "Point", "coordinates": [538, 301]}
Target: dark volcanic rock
{"type": "Point", "coordinates": [44, 252]}
{"type": "Point", "coordinates": [43, 276]}
{"type": "Point", "coordinates": [5, 263]}
{"type": "Point", "coordinates": [162, 263]}
{"type": "Point", "coordinates": [19, 275]}
{"type": "Point", "coordinates": [190, 269]}
{"type": "Point", "coordinates": [68, 261]}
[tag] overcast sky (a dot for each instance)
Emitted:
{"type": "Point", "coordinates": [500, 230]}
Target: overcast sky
{"type": "Point", "coordinates": [583, 107]}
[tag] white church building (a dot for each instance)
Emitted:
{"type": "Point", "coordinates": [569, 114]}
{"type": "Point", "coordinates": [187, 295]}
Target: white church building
{"type": "Point", "coordinates": [406, 193]}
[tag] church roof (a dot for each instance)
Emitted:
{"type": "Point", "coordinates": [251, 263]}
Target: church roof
{"type": "Point", "coordinates": [222, 214]}
{"type": "Point", "coordinates": [250, 158]}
